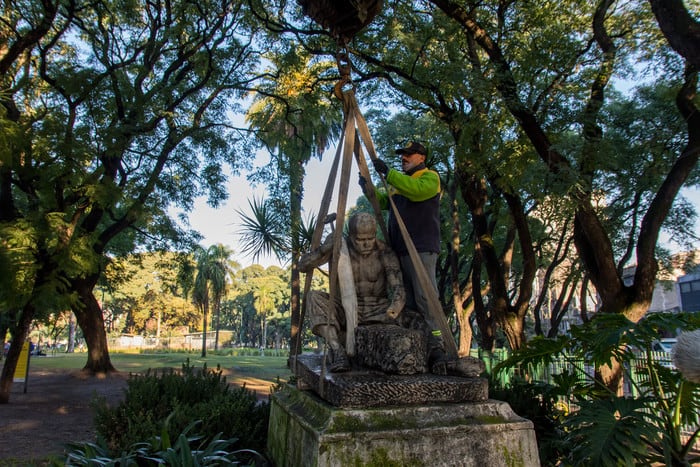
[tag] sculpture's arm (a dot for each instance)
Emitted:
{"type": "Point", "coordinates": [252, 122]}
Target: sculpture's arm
{"type": "Point", "coordinates": [394, 282]}
{"type": "Point", "coordinates": [317, 257]}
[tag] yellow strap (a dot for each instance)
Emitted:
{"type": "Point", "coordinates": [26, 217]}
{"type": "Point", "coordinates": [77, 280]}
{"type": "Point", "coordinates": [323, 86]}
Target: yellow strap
{"type": "Point", "coordinates": [371, 195]}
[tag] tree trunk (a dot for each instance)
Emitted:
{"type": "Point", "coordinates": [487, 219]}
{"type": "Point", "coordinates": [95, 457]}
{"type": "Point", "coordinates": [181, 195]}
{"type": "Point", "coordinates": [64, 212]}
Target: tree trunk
{"type": "Point", "coordinates": [263, 339]}
{"type": "Point", "coordinates": [71, 334]}
{"type": "Point", "coordinates": [4, 327]}
{"type": "Point", "coordinates": [679, 27]}
{"type": "Point", "coordinates": [90, 320]}
{"type": "Point", "coordinates": [19, 336]}
{"type": "Point", "coordinates": [295, 342]}
{"type": "Point", "coordinates": [465, 329]}
{"type": "Point", "coordinates": [217, 313]}
{"type": "Point", "coordinates": [514, 329]}
{"type": "Point", "coordinates": [296, 194]}
{"type": "Point", "coordinates": [611, 377]}
{"type": "Point", "coordinates": [205, 311]}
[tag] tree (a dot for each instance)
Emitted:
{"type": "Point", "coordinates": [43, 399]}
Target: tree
{"type": "Point", "coordinates": [223, 269]}
{"type": "Point", "coordinates": [270, 296]}
{"type": "Point", "coordinates": [523, 90]}
{"type": "Point", "coordinates": [213, 272]}
{"type": "Point", "coordinates": [114, 111]}
{"type": "Point", "coordinates": [143, 289]}
{"type": "Point", "coordinates": [294, 120]}
{"type": "Point", "coordinates": [592, 240]}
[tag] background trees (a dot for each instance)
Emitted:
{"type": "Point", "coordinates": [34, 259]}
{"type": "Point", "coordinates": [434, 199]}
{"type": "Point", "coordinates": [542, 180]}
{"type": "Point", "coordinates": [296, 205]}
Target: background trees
{"type": "Point", "coordinates": [117, 111]}
{"type": "Point", "coordinates": [529, 104]}
{"type": "Point", "coordinates": [214, 269]}
{"type": "Point", "coordinates": [563, 131]}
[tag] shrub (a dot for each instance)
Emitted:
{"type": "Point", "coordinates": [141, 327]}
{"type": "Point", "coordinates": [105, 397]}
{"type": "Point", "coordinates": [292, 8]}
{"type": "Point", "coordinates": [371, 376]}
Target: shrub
{"type": "Point", "coordinates": [611, 430]}
{"type": "Point", "coordinates": [183, 396]}
{"type": "Point", "coordinates": [186, 451]}
{"type": "Point", "coordinates": [539, 403]}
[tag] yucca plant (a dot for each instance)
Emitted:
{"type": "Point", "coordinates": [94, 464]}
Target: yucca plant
{"type": "Point", "coordinates": [607, 429]}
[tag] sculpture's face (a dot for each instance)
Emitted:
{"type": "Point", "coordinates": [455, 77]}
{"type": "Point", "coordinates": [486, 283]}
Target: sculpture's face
{"type": "Point", "coordinates": [363, 233]}
{"type": "Point", "coordinates": [364, 242]}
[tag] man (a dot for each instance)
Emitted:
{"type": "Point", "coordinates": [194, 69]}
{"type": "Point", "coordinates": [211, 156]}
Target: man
{"type": "Point", "coordinates": [416, 193]}
{"type": "Point", "coordinates": [376, 276]}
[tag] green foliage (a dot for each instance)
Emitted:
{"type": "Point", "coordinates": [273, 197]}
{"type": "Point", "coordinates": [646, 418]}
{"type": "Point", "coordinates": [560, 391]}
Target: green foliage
{"type": "Point", "coordinates": [140, 288]}
{"type": "Point", "coordinates": [17, 265]}
{"type": "Point", "coordinates": [607, 429]}
{"type": "Point", "coordinates": [538, 402]}
{"type": "Point", "coordinates": [171, 400]}
{"type": "Point", "coordinates": [262, 232]}
{"type": "Point", "coordinates": [187, 451]}
{"type": "Point", "coordinates": [121, 113]}
{"type": "Point", "coordinates": [612, 432]}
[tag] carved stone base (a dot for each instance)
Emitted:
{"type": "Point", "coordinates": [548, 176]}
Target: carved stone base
{"type": "Point", "coordinates": [306, 431]}
{"type": "Point", "coordinates": [391, 349]}
{"type": "Point", "coordinates": [371, 388]}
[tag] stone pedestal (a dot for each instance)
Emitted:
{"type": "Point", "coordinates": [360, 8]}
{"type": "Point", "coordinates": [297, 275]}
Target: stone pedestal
{"type": "Point", "coordinates": [372, 388]}
{"type": "Point", "coordinates": [307, 431]}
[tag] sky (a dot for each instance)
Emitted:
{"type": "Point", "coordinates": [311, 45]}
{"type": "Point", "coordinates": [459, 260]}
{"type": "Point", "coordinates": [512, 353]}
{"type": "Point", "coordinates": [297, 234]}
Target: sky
{"type": "Point", "coordinates": [222, 225]}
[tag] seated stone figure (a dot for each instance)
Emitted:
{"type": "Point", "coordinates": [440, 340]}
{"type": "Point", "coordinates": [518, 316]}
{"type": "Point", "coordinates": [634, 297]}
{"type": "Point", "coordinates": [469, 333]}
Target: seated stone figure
{"type": "Point", "coordinates": [380, 299]}
{"type": "Point", "coordinates": [376, 275]}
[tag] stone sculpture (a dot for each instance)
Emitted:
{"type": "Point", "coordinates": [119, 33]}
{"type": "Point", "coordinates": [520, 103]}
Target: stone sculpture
{"type": "Point", "coordinates": [389, 338]}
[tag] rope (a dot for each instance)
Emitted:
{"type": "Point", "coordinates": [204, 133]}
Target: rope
{"type": "Point", "coordinates": [316, 239]}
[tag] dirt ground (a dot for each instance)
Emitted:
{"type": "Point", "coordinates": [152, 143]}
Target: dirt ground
{"type": "Point", "coordinates": [55, 410]}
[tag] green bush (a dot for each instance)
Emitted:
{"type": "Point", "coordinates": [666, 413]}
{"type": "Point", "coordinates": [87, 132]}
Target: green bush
{"type": "Point", "coordinates": [183, 396]}
{"type": "Point", "coordinates": [603, 428]}
{"type": "Point", "coordinates": [539, 403]}
{"type": "Point", "coordinates": [185, 451]}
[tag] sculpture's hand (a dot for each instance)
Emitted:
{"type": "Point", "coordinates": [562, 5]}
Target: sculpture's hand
{"type": "Point", "coordinates": [393, 311]}
{"type": "Point", "coordinates": [327, 245]}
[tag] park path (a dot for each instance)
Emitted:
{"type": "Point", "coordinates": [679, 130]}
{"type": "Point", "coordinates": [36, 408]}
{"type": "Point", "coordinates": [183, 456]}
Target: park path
{"type": "Point", "coordinates": [54, 411]}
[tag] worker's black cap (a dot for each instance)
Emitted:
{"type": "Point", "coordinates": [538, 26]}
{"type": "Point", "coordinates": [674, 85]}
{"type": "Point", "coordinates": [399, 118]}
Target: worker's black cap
{"type": "Point", "coordinates": [413, 148]}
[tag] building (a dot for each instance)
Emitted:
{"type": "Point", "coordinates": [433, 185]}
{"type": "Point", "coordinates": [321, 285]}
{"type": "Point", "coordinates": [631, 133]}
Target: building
{"type": "Point", "coordinates": [689, 291]}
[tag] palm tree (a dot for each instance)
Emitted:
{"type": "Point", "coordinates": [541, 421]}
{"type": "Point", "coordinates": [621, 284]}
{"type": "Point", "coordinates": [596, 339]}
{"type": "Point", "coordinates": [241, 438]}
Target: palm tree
{"type": "Point", "coordinates": [295, 120]}
{"type": "Point", "coordinates": [214, 267]}
{"type": "Point", "coordinates": [268, 296]}
{"type": "Point", "coordinates": [222, 268]}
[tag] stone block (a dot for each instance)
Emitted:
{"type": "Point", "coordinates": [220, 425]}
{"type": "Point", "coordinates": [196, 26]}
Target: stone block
{"type": "Point", "coordinates": [391, 349]}
{"type": "Point", "coordinates": [306, 431]}
{"type": "Point", "coordinates": [372, 388]}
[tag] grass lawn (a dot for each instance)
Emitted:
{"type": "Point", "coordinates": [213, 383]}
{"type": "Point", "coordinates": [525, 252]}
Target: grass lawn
{"type": "Point", "coordinates": [258, 373]}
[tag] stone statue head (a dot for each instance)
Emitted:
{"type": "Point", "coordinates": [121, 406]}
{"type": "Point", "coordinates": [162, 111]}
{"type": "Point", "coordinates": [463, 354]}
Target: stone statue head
{"type": "Point", "coordinates": [362, 230]}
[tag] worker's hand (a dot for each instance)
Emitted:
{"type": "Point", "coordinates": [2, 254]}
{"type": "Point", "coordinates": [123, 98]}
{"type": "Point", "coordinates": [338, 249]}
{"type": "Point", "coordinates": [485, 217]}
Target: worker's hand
{"type": "Point", "coordinates": [380, 166]}
{"type": "Point", "coordinates": [363, 183]}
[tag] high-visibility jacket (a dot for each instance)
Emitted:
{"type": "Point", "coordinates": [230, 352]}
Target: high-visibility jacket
{"type": "Point", "coordinates": [417, 199]}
